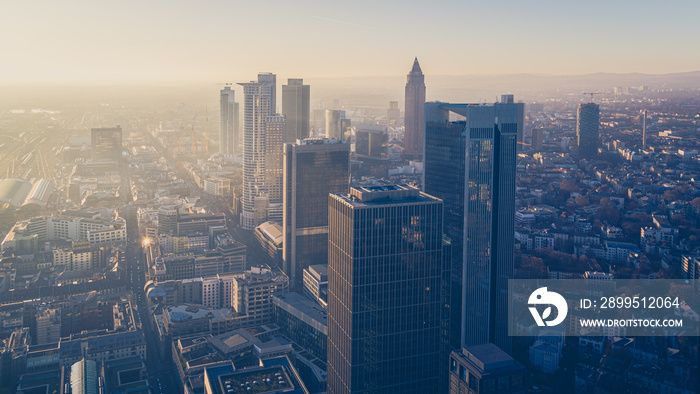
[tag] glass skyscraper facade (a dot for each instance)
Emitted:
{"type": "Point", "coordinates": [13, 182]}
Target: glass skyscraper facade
{"type": "Point", "coordinates": [385, 291]}
{"type": "Point", "coordinates": [313, 168]}
{"type": "Point", "coordinates": [471, 166]}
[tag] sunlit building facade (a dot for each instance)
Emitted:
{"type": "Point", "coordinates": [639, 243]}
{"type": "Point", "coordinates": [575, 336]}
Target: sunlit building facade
{"type": "Point", "coordinates": [263, 140]}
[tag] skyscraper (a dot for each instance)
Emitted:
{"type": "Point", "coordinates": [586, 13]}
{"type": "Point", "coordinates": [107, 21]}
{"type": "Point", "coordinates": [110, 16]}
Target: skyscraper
{"type": "Point", "coordinates": [274, 153]}
{"type": "Point", "coordinates": [229, 121]}
{"type": "Point", "coordinates": [587, 124]}
{"type": "Point", "coordinates": [296, 108]}
{"type": "Point", "coordinates": [263, 135]}
{"type": "Point", "coordinates": [106, 143]}
{"type": "Point", "coordinates": [510, 99]}
{"type": "Point", "coordinates": [415, 99]}
{"type": "Point", "coordinates": [537, 139]}
{"type": "Point", "coordinates": [471, 165]}
{"type": "Point", "coordinates": [334, 123]}
{"type": "Point", "coordinates": [313, 168]}
{"type": "Point", "coordinates": [644, 129]}
{"type": "Point", "coordinates": [384, 284]}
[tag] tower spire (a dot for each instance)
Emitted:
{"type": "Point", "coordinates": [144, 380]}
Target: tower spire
{"type": "Point", "coordinates": [416, 67]}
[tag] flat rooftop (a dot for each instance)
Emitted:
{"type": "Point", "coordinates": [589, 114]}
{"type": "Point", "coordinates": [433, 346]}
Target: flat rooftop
{"type": "Point", "coordinates": [387, 194]}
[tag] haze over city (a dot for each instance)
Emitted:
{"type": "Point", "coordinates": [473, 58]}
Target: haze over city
{"type": "Point", "coordinates": [368, 197]}
{"type": "Point", "coordinates": [214, 41]}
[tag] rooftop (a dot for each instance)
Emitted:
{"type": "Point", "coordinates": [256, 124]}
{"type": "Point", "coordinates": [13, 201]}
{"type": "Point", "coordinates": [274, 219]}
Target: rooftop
{"type": "Point", "coordinates": [387, 194]}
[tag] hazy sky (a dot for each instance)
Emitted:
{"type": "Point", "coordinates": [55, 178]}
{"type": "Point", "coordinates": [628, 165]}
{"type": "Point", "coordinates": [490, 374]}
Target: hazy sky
{"type": "Point", "coordinates": [70, 41]}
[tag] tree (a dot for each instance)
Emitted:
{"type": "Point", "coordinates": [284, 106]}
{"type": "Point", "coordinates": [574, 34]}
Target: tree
{"type": "Point", "coordinates": [582, 201]}
{"type": "Point", "coordinates": [568, 185]}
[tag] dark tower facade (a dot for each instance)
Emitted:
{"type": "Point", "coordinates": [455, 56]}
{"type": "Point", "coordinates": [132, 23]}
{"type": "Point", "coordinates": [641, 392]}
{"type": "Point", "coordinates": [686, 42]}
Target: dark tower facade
{"type": "Point", "coordinates": [413, 121]}
{"type": "Point", "coordinates": [587, 125]}
{"type": "Point", "coordinates": [471, 166]}
{"type": "Point", "coordinates": [313, 168]}
{"type": "Point", "coordinates": [384, 280]}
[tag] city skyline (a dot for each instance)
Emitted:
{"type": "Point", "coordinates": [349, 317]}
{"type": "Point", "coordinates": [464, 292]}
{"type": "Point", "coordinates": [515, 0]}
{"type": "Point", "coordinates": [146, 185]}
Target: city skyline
{"type": "Point", "coordinates": [356, 229]}
{"type": "Point", "coordinates": [88, 43]}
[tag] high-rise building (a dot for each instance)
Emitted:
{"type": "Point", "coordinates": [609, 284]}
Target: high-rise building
{"type": "Point", "coordinates": [644, 129]}
{"type": "Point", "coordinates": [263, 140]}
{"type": "Point", "coordinates": [510, 99]}
{"type": "Point", "coordinates": [274, 153]}
{"type": "Point", "coordinates": [393, 114]}
{"type": "Point", "coordinates": [485, 369]}
{"type": "Point", "coordinates": [369, 139]}
{"type": "Point", "coordinates": [587, 124]}
{"type": "Point", "coordinates": [334, 123]}
{"type": "Point", "coordinates": [106, 143]}
{"type": "Point", "coordinates": [471, 166]}
{"type": "Point", "coordinates": [414, 124]}
{"type": "Point", "coordinates": [384, 291]}
{"type": "Point", "coordinates": [229, 122]}
{"type": "Point", "coordinates": [537, 139]}
{"type": "Point", "coordinates": [296, 108]}
{"type": "Point", "coordinates": [313, 168]}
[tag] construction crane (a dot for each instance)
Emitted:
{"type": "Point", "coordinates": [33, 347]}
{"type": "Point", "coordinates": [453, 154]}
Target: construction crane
{"type": "Point", "coordinates": [591, 93]}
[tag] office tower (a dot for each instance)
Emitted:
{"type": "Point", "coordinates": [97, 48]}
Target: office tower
{"type": "Point", "coordinates": [393, 114]}
{"type": "Point", "coordinates": [334, 123]}
{"type": "Point", "coordinates": [384, 284]}
{"type": "Point", "coordinates": [587, 124]}
{"type": "Point", "coordinates": [274, 152]}
{"type": "Point", "coordinates": [258, 108]}
{"type": "Point", "coordinates": [415, 99]}
{"type": "Point", "coordinates": [369, 139]}
{"type": "Point", "coordinates": [229, 122]}
{"type": "Point", "coordinates": [296, 109]}
{"type": "Point", "coordinates": [485, 369]}
{"type": "Point", "coordinates": [471, 165]}
{"type": "Point", "coordinates": [644, 129]}
{"type": "Point", "coordinates": [313, 168]}
{"type": "Point", "coordinates": [537, 139]}
{"type": "Point", "coordinates": [106, 143]}
{"type": "Point", "coordinates": [510, 99]}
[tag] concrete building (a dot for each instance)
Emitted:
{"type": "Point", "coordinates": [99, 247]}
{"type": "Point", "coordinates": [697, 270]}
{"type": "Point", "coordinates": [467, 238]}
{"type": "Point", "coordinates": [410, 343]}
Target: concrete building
{"type": "Point", "coordinates": [587, 128]}
{"type": "Point", "coordinates": [485, 369]}
{"type": "Point", "coordinates": [251, 294]}
{"type": "Point", "coordinates": [316, 283]}
{"type": "Point", "coordinates": [296, 108]}
{"type": "Point", "coordinates": [106, 143]}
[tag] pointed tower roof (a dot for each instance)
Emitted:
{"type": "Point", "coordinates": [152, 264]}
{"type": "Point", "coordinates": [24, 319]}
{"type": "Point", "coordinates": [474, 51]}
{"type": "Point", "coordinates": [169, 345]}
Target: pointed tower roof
{"type": "Point", "coordinates": [416, 67]}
